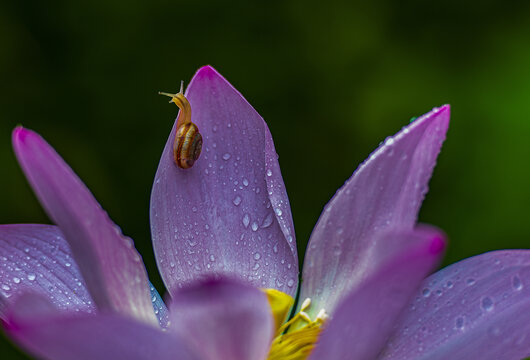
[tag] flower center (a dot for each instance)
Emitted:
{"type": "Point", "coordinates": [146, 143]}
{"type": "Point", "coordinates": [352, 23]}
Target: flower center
{"type": "Point", "coordinates": [295, 339]}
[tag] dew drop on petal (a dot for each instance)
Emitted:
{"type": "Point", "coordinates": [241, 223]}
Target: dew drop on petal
{"type": "Point", "coordinates": [459, 323]}
{"type": "Point", "coordinates": [257, 256]}
{"type": "Point", "coordinates": [6, 287]}
{"type": "Point", "coordinates": [269, 172]}
{"type": "Point", "coordinates": [267, 221]}
{"type": "Point", "coordinates": [486, 304]}
{"type": "Point", "coordinates": [516, 283]}
{"type": "Point", "coordinates": [470, 282]}
{"type": "Point", "coordinates": [245, 182]}
{"type": "Point", "coordinates": [237, 200]}
{"type": "Point", "coordinates": [290, 283]}
{"type": "Point", "coordinates": [254, 226]}
{"type": "Point", "coordinates": [246, 220]}
{"type": "Point", "coordinates": [426, 292]}
{"type": "Point", "coordinates": [278, 211]}
{"type": "Point", "coordinates": [16, 280]}
{"type": "Point", "coordinates": [226, 156]}
{"type": "Point", "coordinates": [31, 277]}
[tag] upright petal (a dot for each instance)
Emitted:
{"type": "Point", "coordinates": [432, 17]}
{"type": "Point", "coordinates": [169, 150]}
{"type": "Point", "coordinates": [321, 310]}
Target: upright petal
{"type": "Point", "coordinates": [223, 319]}
{"type": "Point", "coordinates": [363, 321]}
{"type": "Point", "coordinates": [51, 334]}
{"type": "Point", "coordinates": [36, 258]}
{"type": "Point", "coordinates": [113, 271]}
{"type": "Point", "coordinates": [478, 308]}
{"type": "Point", "coordinates": [229, 213]}
{"type": "Point", "coordinates": [385, 192]}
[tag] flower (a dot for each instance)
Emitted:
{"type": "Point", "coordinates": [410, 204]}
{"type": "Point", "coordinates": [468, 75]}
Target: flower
{"type": "Point", "coordinates": [222, 231]}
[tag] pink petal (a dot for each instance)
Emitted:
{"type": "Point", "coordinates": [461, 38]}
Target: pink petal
{"type": "Point", "coordinates": [113, 271]}
{"type": "Point", "coordinates": [49, 333]}
{"type": "Point", "coordinates": [229, 213]}
{"type": "Point", "coordinates": [478, 308]}
{"type": "Point", "coordinates": [36, 258]}
{"type": "Point", "coordinates": [363, 321]}
{"type": "Point", "coordinates": [385, 192]}
{"type": "Point", "coordinates": [223, 319]}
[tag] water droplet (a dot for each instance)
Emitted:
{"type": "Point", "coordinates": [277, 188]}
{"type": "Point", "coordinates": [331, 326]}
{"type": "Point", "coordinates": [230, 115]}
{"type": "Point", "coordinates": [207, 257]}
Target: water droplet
{"type": "Point", "coordinates": [245, 182]}
{"type": "Point", "coordinates": [267, 221]}
{"type": "Point", "coordinates": [486, 304]}
{"type": "Point", "coordinates": [389, 141]}
{"type": "Point", "coordinates": [449, 284]}
{"type": "Point", "coordinates": [470, 282]}
{"type": "Point", "coordinates": [237, 200]}
{"type": "Point", "coordinates": [6, 287]}
{"type": "Point", "coordinates": [275, 248]}
{"type": "Point", "coordinates": [254, 226]}
{"type": "Point", "coordinates": [516, 283]}
{"type": "Point", "coordinates": [459, 323]}
{"type": "Point", "coordinates": [212, 258]}
{"type": "Point", "coordinates": [257, 256]}
{"type": "Point", "coordinates": [246, 220]}
{"type": "Point", "coordinates": [226, 156]}
{"type": "Point", "coordinates": [290, 283]}
{"type": "Point", "coordinates": [278, 211]}
{"type": "Point", "coordinates": [31, 277]}
{"type": "Point", "coordinates": [269, 172]}
{"type": "Point", "coordinates": [172, 264]}
{"type": "Point", "coordinates": [426, 292]}
{"type": "Point", "coordinates": [16, 280]}
{"type": "Point", "coordinates": [67, 264]}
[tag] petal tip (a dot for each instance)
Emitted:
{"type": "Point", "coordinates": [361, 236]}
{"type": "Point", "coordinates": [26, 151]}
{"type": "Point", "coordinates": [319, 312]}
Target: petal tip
{"type": "Point", "coordinates": [19, 134]}
{"type": "Point", "coordinates": [437, 244]}
{"type": "Point", "coordinates": [207, 71]}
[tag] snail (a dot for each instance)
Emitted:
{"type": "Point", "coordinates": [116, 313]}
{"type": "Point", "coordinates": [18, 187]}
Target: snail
{"type": "Point", "coordinates": [188, 140]}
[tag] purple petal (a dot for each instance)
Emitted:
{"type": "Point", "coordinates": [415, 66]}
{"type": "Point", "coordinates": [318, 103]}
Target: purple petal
{"type": "Point", "coordinates": [478, 308]}
{"type": "Point", "coordinates": [223, 319]}
{"type": "Point", "coordinates": [113, 271]}
{"type": "Point", "coordinates": [159, 307]}
{"type": "Point", "coordinates": [48, 333]}
{"type": "Point", "coordinates": [364, 320]}
{"type": "Point", "coordinates": [229, 213]}
{"type": "Point", "coordinates": [36, 258]}
{"type": "Point", "coordinates": [385, 192]}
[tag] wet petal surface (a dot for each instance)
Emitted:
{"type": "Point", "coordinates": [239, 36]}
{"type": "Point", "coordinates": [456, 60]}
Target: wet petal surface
{"type": "Point", "coordinates": [385, 192]}
{"type": "Point", "coordinates": [229, 213]}
{"type": "Point", "coordinates": [36, 258]}
{"type": "Point", "coordinates": [112, 269]}
{"type": "Point", "coordinates": [365, 318]}
{"type": "Point", "coordinates": [478, 308]}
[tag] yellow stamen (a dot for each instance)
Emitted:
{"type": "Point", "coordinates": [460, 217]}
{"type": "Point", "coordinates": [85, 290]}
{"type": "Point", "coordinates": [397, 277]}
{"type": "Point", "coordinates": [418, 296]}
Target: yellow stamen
{"type": "Point", "coordinates": [296, 338]}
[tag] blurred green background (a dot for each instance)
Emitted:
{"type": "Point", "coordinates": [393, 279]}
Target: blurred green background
{"type": "Point", "coordinates": [86, 76]}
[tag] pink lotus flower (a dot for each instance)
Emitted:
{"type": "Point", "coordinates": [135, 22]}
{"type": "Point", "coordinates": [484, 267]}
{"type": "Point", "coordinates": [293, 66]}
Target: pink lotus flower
{"type": "Point", "coordinates": [223, 230]}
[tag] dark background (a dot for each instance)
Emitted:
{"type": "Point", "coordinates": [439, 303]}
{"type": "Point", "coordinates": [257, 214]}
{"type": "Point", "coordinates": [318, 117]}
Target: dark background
{"type": "Point", "coordinates": [86, 77]}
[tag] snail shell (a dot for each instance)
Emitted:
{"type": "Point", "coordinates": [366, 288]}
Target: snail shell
{"type": "Point", "coordinates": [187, 146]}
{"type": "Point", "coordinates": [188, 140]}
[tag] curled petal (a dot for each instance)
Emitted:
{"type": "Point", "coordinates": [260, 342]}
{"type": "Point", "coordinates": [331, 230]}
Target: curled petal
{"type": "Point", "coordinates": [363, 321]}
{"type": "Point", "coordinates": [113, 271]}
{"type": "Point", "coordinates": [223, 319]}
{"type": "Point", "coordinates": [385, 192]}
{"type": "Point", "coordinates": [229, 213]}
{"type": "Point", "coordinates": [478, 308]}
{"type": "Point", "coordinates": [36, 258]}
{"type": "Point", "coordinates": [48, 333]}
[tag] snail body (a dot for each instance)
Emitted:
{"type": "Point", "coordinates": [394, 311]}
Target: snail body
{"type": "Point", "coordinates": [187, 145]}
